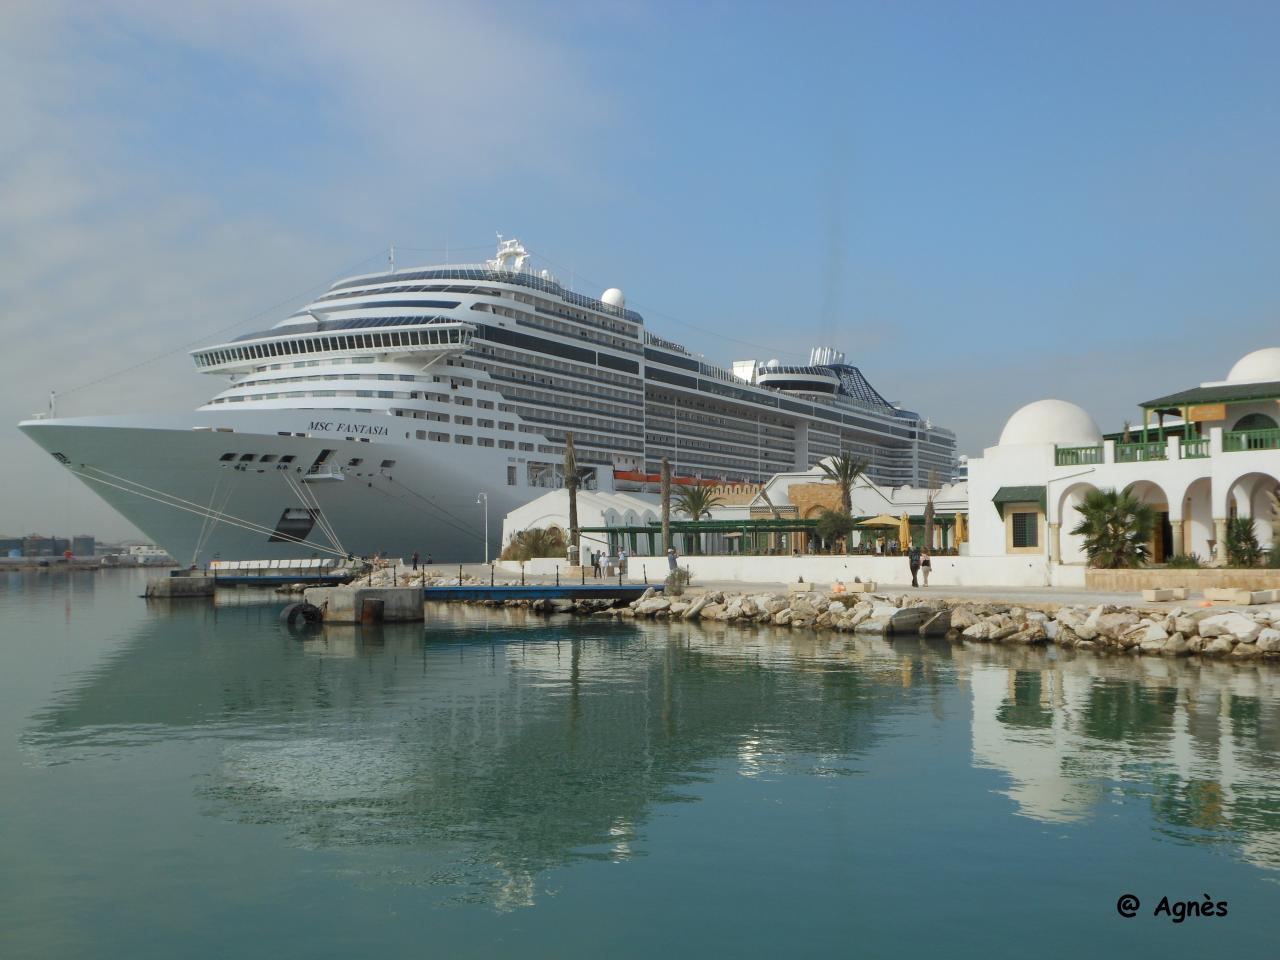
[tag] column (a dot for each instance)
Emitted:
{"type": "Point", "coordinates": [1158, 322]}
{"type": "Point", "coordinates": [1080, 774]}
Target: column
{"type": "Point", "coordinates": [1178, 546]}
{"type": "Point", "coordinates": [1220, 535]}
{"type": "Point", "coordinates": [1055, 542]}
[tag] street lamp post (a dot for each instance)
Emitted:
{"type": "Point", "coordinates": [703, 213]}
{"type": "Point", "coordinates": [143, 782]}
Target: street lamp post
{"type": "Point", "coordinates": [484, 498]}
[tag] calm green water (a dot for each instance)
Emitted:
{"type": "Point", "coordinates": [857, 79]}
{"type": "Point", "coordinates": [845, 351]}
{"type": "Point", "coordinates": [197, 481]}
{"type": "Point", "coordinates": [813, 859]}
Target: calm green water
{"type": "Point", "coordinates": [191, 781]}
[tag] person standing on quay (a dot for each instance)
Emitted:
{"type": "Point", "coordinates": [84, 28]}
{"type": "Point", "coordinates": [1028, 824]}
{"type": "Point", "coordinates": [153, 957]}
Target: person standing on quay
{"type": "Point", "coordinates": [415, 560]}
{"type": "Point", "coordinates": [595, 564]}
{"type": "Point", "coordinates": [671, 558]}
{"type": "Point", "coordinates": [913, 558]}
{"type": "Point", "coordinates": [622, 560]}
{"type": "Point", "coordinates": [926, 567]}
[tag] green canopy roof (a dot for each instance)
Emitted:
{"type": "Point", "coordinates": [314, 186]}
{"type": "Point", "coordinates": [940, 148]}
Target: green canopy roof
{"type": "Point", "coordinates": [1007, 495]}
{"type": "Point", "coordinates": [1226, 393]}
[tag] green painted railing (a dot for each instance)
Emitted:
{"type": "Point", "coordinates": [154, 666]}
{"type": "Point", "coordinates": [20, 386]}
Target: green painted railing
{"type": "Point", "coordinates": [1077, 456]}
{"type": "Point", "coordinates": [1138, 452]}
{"type": "Point", "coordinates": [1236, 440]}
{"type": "Point", "coordinates": [1195, 449]}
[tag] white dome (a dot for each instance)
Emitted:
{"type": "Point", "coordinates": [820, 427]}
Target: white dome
{"type": "Point", "coordinates": [1051, 421]}
{"type": "Point", "coordinates": [1262, 364]}
{"type": "Point", "coordinates": [613, 297]}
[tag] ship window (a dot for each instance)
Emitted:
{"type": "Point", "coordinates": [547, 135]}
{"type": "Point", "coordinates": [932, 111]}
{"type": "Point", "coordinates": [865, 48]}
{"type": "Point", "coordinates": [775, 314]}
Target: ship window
{"type": "Point", "coordinates": [268, 458]}
{"type": "Point", "coordinates": [511, 475]}
{"type": "Point", "coordinates": [438, 437]}
{"type": "Point", "coordinates": [460, 438]}
{"type": "Point", "coordinates": [227, 456]}
{"type": "Point", "coordinates": [506, 444]}
{"type": "Point", "coordinates": [485, 441]}
{"type": "Point", "coordinates": [287, 458]}
{"type": "Point", "coordinates": [388, 464]}
{"type": "Point", "coordinates": [246, 457]}
{"type": "Point", "coordinates": [421, 434]}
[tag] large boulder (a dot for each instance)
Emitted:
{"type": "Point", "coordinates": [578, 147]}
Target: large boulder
{"type": "Point", "coordinates": [695, 609]}
{"type": "Point", "coordinates": [1235, 625]}
{"type": "Point", "coordinates": [647, 608]}
{"type": "Point", "coordinates": [1269, 641]}
{"type": "Point", "coordinates": [962, 618]}
{"type": "Point", "coordinates": [1218, 646]}
{"type": "Point", "coordinates": [1176, 646]}
{"type": "Point", "coordinates": [711, 611]}
{"type": "Point", "coordinates": [1113, 626]}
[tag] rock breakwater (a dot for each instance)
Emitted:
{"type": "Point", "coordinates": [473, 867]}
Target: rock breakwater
{"type": "Point", "coordinates": [1104, 629]}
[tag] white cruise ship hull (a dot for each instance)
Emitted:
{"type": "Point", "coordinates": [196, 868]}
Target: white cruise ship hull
{"type": "Point", "coordinates": [166, 476]}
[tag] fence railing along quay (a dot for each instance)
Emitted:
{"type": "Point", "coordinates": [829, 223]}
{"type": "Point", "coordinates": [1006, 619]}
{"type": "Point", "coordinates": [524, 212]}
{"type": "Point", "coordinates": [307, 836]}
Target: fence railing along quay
{"type": "Point", "coordinates": [1234, 441]}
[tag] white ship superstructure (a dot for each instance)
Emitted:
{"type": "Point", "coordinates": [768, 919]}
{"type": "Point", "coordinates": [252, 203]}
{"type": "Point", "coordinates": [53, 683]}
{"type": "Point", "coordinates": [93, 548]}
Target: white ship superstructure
{"type": "Point", "coordinates": [372, 419]}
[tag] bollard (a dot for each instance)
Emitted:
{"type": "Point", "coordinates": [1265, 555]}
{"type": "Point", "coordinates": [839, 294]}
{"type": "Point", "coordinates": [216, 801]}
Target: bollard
{"type": "Point", "coordinates": [522, 574]}
{"type": "Point", "coordinates": [459, 574]}
{"type": "Point", "coordinates": [491, 574]}
{"type": "Point", "coordinates": [584, 575]}
{"type": "Point", "coordinates": [557, 574]}
{"type": "Point", "coordinates": [644, 572]}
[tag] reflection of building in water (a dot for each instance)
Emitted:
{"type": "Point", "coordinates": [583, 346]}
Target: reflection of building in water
{"type": "Point", "coordinates": [1201, 741]}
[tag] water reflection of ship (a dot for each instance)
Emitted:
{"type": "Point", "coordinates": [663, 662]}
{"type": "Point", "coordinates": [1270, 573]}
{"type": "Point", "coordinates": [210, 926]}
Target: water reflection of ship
{"type": "Point", "coordinates": [507, 758]}
{"type": "Point", "coordinates": [1200, 740]}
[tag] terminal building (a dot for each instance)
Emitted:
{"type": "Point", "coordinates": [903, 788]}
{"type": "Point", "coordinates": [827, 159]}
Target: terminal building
{"type": "Point", "coordinates": [1200, 457]}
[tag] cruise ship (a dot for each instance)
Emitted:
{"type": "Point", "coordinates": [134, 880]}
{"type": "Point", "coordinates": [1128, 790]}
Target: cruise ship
{"type": "Point", "coordinates": [399, 409]}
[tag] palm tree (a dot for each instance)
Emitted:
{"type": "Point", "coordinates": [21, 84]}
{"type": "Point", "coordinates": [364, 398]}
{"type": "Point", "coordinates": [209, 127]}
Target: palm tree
{"type": "Point", "coordinates": [928, 509]}
{"type": "Point", "coordinates": [844, 472]}
{"type": "Point", "coordinates": [571, 484]}
{"type": "Point", "coordinates": [697, 501]}
{"type": "Point", "coordinates": [1116, 527]}
{"type": "Point", "coordinates": [1242, 543]}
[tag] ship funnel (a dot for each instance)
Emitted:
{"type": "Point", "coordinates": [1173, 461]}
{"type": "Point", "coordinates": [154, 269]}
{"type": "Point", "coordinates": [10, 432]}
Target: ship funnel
{"type": "Point", "coordinates": [825, 356]}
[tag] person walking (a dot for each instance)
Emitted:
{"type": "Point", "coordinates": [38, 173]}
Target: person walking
{"type": "Point", "coordinates": [595, 564]}
{"type": "Point", "coordinates": [671, 558]}
{"type": "Point", "coordinates": [415, 559]}
{"type": "Point", "coordinates": [926, 566]}
{"type": "Point", "coordinates": [913, 558]}
{"type": "Point", "coordinates": [622, 560]}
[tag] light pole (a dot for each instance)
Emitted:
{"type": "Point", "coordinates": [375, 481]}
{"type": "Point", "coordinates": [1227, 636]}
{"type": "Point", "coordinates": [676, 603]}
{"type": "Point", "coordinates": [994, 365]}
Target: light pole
{"type": "Point", "coordinates": [484, 498]}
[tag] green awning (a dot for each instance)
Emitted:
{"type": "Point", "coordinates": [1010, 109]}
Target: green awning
{"type": "Point", "coordinates": [1008, 495]}
{"type": "Point", "coordinates": [1226, 393]}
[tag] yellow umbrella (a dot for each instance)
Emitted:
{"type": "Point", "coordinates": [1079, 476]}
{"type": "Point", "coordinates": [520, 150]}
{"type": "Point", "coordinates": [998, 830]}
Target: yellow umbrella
{"type": "Point", "coordinates": [904, 532]}
{"type": "Point", "coordinates": [883, 520]}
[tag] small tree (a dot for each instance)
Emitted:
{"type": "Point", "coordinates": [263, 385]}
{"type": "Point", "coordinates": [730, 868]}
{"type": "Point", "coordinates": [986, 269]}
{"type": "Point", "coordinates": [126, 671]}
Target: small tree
{"type": "Point", "coordinates": [535, 542]}
{"type": "Point", "coordinates": [1116, 527]}
{"type": "Point", "coordinates": [696, 502]}
{"type": "Point", "coordinates": [832, 525]}
{"type": "Point", "coordinates": [932, 488]}
{"type": "Point", "coordinates": [844, 472]}
{"type": "Point", "coordinates": [1242, 543]}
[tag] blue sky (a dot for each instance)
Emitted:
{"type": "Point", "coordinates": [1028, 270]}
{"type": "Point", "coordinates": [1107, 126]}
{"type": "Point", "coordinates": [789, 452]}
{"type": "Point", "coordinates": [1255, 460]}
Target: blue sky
{"type": "Point", "coordinates": [982, 203]}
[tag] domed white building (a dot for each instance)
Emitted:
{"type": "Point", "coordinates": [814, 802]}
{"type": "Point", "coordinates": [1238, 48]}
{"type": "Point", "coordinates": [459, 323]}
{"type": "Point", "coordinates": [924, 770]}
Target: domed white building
{"type": "Point", "coordinates": [1199, 457]}
{"type": "Point", "coordinates": [1053, 421]}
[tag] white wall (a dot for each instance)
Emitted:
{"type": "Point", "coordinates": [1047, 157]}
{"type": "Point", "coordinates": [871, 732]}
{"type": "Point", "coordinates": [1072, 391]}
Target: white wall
{"type": "Point", "coordinates": [1031, 571]}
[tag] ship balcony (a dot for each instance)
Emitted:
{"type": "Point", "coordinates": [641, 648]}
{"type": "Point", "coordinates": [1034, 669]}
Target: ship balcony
{"type": "Point", "coordinates": [431, 340]}
{"type": "Point", "coordinates": [323, 473]}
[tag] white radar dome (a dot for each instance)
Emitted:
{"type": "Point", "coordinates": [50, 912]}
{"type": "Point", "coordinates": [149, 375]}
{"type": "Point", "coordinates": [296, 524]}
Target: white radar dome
{"type": "Point", "coordinates": [1261, 365]}
{"type": "Point", "coordinates": [614, 298]}
{"type": "Point", "coordinates": [1051, 421]}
